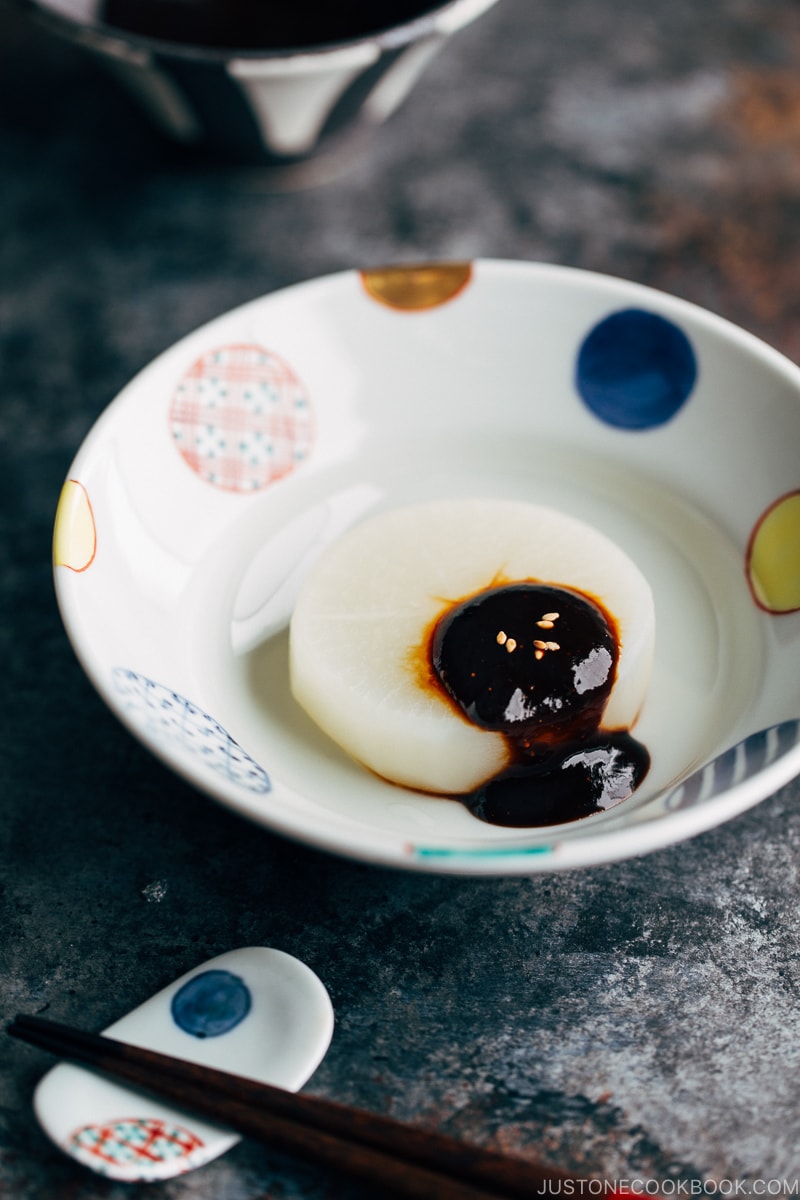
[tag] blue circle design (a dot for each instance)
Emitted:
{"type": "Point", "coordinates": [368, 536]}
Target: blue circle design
{"type": "Point", "coordinates": [635, 369]}
{"type": "Point", "coordinates": [211, 1004]}
{"type": "Point", "coordinates": [167, 716]}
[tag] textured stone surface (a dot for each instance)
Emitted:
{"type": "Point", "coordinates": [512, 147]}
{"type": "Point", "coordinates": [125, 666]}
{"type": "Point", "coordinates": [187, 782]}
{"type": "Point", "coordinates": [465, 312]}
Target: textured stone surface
{"type": "Point", "coordinates": [637, 1020]}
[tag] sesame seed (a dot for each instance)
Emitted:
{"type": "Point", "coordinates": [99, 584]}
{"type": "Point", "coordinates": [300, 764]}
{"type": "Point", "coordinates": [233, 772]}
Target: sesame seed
{"type": "Point", "coordinates": [511, 645]}
{"type": "Point", "coordinates": [540, 645]}
{"type": "Point", "coordinates": [552, 646]}
{"type": "Point", "coordinates": [538, 654]}
{"type": "Point", "coordinates": [550, 616]}
{"type": "Point", "coordinates": [545, 624]}
{"type": "Point", "coordinates": [501, 638]}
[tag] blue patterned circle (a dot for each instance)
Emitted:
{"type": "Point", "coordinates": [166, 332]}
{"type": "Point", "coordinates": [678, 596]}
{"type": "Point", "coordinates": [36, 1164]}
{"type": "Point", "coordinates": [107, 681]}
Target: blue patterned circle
{"type": "Point", "coordinates": [211, 1004]}
{"type": "Point", "coordinates": [635, 369]}
{"type": "Point", "coordinates": [167, 717]}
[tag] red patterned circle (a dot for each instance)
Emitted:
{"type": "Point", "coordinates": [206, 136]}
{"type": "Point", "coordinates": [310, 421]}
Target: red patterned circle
{"type": "Point", "coordinates": [241, 418]}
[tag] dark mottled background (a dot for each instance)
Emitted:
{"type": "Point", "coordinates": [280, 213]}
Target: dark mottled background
{"type": "Point", "coordinates": [639, 1020]}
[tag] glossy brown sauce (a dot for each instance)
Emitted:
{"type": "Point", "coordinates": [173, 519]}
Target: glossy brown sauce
{"type": "Point", "coordinates": [537, 664]}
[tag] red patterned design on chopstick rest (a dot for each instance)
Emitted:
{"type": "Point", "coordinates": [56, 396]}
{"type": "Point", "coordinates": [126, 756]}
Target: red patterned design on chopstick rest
{"type": "Point", "coordinates": [241, 418]}
{"type": "Point", "coordinates": [138, 1144]}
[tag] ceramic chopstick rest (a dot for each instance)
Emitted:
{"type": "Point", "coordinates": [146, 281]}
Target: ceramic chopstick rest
{"type": "Point", "coordinates": [256, 1012]}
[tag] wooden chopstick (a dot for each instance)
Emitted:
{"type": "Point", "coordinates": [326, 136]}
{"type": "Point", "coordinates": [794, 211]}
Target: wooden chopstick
{"type": "Point", "coordinates": [395, 1158]}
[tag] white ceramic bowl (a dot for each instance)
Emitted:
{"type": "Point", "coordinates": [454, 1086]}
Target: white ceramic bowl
{"type": "Point", "coordinates": [204, 492]}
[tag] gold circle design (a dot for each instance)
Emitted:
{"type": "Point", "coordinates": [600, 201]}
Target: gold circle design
{"type": "Point", "coordinates": [416, 288]}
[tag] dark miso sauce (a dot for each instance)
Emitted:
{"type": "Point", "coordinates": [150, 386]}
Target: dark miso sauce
{"type": "Point", "coordinates": [537, 663]}
{"type": "Point", "coordinates": [259, 24]}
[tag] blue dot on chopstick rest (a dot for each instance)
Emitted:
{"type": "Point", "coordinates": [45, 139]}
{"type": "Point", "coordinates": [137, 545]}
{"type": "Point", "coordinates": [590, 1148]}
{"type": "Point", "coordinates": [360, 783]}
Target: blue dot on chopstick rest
{"type": "Point", "coordinates": [635, 369]}
{"type": "Point", "coordinates": [211, 1004]}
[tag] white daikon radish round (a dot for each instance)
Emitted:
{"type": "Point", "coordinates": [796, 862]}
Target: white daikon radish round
{"type": "Point", "coordinates": [358, 638]}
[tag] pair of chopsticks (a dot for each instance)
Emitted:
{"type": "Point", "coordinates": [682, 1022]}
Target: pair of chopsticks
{"type": "Point", "coordinates": [395, 1159]}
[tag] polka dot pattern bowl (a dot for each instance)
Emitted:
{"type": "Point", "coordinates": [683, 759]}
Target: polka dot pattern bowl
{"type": "Point", "coordinates": [198, 502]}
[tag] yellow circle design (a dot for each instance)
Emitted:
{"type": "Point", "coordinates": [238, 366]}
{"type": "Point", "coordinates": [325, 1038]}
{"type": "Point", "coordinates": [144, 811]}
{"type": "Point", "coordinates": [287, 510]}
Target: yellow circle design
{"type": "Point", "coordinates": [414, 288]}
{"type": "Point", "coordinates": [74, 535]}
{"type": "Point", "coordinates": [773, 556]}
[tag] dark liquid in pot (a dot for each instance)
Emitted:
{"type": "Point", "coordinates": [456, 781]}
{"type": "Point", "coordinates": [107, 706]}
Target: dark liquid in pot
{"type": "Point", "coordinates": [260, 24]}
